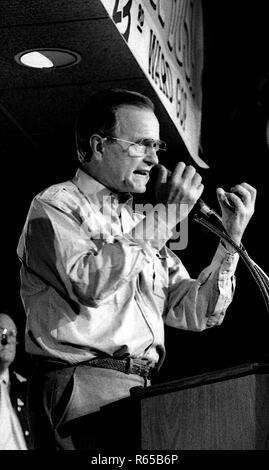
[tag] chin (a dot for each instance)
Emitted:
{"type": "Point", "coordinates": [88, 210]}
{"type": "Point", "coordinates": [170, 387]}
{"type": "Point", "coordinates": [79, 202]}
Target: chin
{"type": "Point", "coordinates": [140, 190]}
{"type": "Point", "coordinates": [134, 186]}
{"type": "Point", "coordinates": [137, 190]}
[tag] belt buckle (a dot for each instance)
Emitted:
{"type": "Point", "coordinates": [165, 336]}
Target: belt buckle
{"type": "Point", "coordinates": [144, 370]}
{"type": "Point", "coordinates": [133, 368]}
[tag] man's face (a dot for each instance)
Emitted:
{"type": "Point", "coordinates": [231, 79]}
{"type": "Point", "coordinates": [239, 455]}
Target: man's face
{"type": "Point", "coordinates": [8, 342]}
{"type": "Point", "coordinates": [122, 171]}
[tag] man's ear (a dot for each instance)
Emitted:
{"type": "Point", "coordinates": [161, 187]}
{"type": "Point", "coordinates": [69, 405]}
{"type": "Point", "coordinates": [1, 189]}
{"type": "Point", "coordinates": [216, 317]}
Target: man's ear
{"type": "Point", "coordinates": [96, 143]}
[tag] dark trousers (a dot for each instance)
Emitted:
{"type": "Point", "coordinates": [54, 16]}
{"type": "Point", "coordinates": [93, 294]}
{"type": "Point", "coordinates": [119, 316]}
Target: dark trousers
{"type": "Point", "coordinates": [65, 404]}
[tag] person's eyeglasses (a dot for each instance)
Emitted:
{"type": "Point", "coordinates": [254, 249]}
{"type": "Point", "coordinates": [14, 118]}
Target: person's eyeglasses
{"type": "Point", "coordinates": [141, 147]}
{"type": "Point", "coordinates": [6, 335]}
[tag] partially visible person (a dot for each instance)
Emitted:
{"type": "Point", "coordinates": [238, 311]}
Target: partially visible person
{"type": "Point", "coordinates": [14, 429]}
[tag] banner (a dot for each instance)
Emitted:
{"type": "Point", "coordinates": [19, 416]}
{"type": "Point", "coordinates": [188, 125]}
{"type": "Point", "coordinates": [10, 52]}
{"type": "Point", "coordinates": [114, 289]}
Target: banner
{"type": "Point", "coordinates": [166, 39]}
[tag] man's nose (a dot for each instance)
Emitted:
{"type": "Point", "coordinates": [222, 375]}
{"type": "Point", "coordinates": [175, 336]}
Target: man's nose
{"type": "Point", "coordinates": [151, 156]}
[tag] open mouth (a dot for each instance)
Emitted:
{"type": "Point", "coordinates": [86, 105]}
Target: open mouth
{"type": "Point", "coordinates": [141, 173]}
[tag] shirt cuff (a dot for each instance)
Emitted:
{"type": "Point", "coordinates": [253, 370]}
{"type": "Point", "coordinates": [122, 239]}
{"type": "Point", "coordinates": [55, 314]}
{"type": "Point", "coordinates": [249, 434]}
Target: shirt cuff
{"type": "Point", "coordinates": [228, 261]}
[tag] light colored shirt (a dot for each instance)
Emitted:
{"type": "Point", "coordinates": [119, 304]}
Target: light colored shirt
{"type": "Point", "coordinates": [89, 290]}
{"type": "Point", "coordinates": [11, 434]}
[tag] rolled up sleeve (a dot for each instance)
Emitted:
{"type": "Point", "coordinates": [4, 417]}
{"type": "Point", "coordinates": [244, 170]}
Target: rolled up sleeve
{"type": "Point", "coordinates": [197, 304]}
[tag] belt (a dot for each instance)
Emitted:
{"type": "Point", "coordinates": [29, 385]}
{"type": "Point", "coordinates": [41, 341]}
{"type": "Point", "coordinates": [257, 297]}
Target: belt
{"type": "Point", "coordinates": [130, 365]}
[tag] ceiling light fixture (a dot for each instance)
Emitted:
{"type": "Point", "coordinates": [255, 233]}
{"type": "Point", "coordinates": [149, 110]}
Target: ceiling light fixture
{"type": "Point", "coordinates": [47, 58]}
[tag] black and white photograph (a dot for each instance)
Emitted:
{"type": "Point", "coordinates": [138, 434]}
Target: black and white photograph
{"type": "Point", "coordinates": [134, 310]}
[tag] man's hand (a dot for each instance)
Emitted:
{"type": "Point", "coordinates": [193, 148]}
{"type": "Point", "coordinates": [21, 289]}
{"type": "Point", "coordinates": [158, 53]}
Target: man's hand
{"type": "Point", "coordinates": [237, 208]}
{"type": "Point", "coordinates": [182, 187]}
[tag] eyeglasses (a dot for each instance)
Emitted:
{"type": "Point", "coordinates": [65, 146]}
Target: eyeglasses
{"type": "Point", "coordinates": [140, 148]}
{"type": "Point", "coordinates": [5, 334]}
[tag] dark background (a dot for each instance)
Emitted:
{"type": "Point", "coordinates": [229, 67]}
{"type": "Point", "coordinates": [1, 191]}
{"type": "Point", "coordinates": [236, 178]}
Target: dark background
{"type": "Point", "coordinates": [37, 113]}
{"type": "Point", "coordinates": [235, 113]}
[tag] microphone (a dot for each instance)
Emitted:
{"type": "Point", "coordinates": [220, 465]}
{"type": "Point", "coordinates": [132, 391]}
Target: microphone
{"type": "Point", "coordinates": [204, 209]}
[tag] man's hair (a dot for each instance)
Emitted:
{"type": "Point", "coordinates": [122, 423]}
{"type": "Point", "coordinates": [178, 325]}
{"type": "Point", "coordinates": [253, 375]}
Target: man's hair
{"type": "Point", "coordinates": [98, 116]}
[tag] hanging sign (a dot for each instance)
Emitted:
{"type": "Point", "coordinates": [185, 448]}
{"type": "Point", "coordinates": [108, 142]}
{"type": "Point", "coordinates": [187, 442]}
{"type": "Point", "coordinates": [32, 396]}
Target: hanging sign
{"type": "Point", "coordinates": [166, 39]}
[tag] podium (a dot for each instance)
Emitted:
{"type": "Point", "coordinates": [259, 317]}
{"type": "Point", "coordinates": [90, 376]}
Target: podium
{"type": "Point", "coordinates": [221, 410]}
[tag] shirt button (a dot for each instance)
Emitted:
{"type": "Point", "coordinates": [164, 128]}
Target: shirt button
{"type": "Point", "coordinates": [26, 433]}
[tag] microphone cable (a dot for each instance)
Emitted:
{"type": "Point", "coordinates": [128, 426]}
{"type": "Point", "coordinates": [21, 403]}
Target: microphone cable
{"type": "Point", "coordinates": [260, 277]}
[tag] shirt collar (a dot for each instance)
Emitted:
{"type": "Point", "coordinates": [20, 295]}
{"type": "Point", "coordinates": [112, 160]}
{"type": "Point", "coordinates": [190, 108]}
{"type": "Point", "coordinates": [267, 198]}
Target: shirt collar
{"type": "Point", "coordinates": [4, 377]}
{"type": "Point", "coordinates": [97, 192]}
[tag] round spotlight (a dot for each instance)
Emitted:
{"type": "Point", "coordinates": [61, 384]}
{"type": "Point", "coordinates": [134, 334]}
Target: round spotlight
{"type": "Point", "coordinates": [47, 58]}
